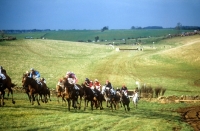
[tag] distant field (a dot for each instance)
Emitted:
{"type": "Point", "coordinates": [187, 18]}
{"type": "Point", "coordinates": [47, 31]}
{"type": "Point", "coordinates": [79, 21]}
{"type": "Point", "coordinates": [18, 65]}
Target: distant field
{"type": "Point", "coordinates": [108, 35]}
{"type": "Point", "coordinates": [170, 63]}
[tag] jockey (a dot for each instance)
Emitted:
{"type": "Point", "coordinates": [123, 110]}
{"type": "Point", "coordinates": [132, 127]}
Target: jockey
{"type": "Point", "coordinates": [72, 79]}
{"type": "Point", "coordinates": [124, 90]}
{"type": "Point", "coordinates": [90, 85]}
{"type": "Point", "coordinates": [2, 73]}
{"type": "Point", "coordinates": [35, 75]}
{"type": "Point", "coordinates": [87, 82]}
{"type": "Point", "coordinates": [108, 84]}
{"type": "Point", "coordinates": [97, 85]}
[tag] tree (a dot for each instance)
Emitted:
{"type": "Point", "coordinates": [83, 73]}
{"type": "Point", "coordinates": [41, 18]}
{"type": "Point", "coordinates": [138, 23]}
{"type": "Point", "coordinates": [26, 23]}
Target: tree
{"type": "Point", "coordinates": [133, 27]}
{"type": "Point", "coordinates": [104, 28]}
{"type": "Point", "coordinates": [96, 38]}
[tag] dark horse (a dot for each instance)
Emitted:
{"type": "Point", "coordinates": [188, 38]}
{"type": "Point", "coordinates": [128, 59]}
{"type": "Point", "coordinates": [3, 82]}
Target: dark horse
{"type": "Point", "coordinates": [89, 96]}
{"type": "Point", "coordinates": [70, 94]}
{"type": "Point", "coordinates": [100, 99]}
{"type": "Point", "coordinates": [6, 83]}
{"type": "Point", "coordinates": [125, 101]}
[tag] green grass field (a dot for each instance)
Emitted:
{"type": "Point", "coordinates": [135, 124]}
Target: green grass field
{"type": "Point", "coordinates": [174, 64]}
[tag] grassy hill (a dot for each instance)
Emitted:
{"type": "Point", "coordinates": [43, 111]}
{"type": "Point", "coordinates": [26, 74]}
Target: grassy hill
{"type": "Point", "coordinates": [172, 63]}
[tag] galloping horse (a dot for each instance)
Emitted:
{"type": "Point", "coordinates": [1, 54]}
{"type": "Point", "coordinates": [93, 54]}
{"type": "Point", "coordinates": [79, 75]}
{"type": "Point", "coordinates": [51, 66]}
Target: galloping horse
{"type": "Point", "coordinates": [100, 99]}
{"type": "Point", "coordinates": [70, 93]}
{"type": "Point", "coordinates": [33, 89]}
{"type": "Point", "coordinates": [89, 97]}
{"type": "Point", "coordinates": [6, 83]}
{"type": "Point", "coordinates": [113, 99]}
{"type": "Point", "coordinates": [125, 101]}
{"type": "Point", "coordinates": [44, 90]}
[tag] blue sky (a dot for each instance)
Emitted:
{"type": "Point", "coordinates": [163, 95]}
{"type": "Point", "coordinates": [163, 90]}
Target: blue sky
{"type": "Point", "coordinates": [95, 14]}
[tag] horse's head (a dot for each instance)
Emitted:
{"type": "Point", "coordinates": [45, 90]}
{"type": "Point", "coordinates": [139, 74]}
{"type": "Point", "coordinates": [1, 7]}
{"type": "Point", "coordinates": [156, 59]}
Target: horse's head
{"type": "Point", "coordinates": [24, 80]}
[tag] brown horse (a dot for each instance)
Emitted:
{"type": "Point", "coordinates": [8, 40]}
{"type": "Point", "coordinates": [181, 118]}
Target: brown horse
{"type": "Point", "coordinates": [33, 89]}
{"type": "Point", "coordinates": [43, 91]}
{"type": "Point", "coordinates": [6, 83]}
{"type": "Point", "coordinates": [70, 94]}
{"type": "Point", "coordinates": [60, 92]}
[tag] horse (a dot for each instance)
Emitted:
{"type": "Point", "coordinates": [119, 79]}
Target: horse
{"type": "Point", "coordinates": [89, 96]}
{"type": "Point", "coordinates": [43, 90]}
{"type": "Point", "coordinates": [119, 94]}
{"type": "Point", "coordinates": [59, 91]}
{"type": "Point", "coordinates": [46, 92]}
{"type": "Point", "coordinates": [6, 83]}
{"type": "Point", "coordinates": [100, 99]}
{"type": "Point", "coordinates": [70, 93]}
{"type": "Point", "coordinates": [125, 101]}
{"type": "Point", "coordinates": [33, 89]}
{"type": "Point", "coordinates": [107, 99]}
{"type": "Point", "coordinates": [112, 99]}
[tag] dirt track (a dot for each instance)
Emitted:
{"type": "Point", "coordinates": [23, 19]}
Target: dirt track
{"type": "Point", "coordinates": [191, 115]}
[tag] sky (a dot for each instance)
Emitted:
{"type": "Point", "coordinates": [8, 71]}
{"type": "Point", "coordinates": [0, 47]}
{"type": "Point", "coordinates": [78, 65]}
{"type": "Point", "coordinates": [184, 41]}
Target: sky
{"type": "Point", "coordinates": [95, 14]}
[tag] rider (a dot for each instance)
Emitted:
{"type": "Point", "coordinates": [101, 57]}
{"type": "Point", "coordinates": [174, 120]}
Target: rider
{"type": "Point", "coordinates": [124, 90]}
{"type": "Point", "coordinates": [90, 85]}
{"type": "Point", "coordinates": [87, 82]}
{"type": "Point", "coordinates": [108, 84]}
{"type": "Point", "coordinates": [2, 73]}
{"type": "Point", "coordinates": [72, 79]}
{"type": "Point", "coordinates": [97, 85]}
{"type": "Point", "coordinates": [35, 75]}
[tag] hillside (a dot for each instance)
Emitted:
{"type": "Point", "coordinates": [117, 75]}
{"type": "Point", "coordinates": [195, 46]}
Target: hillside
{"type": "Point", "coordinates": [163, 66]}
{"type": "Point", "coordinates": [160, 65]}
